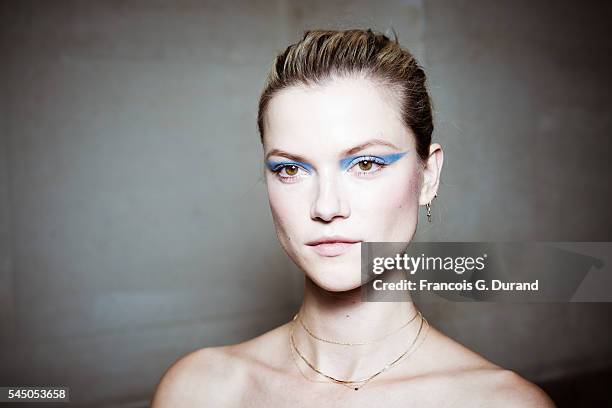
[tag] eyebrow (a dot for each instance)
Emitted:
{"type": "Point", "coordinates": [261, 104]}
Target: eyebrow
{"type": "Point", "coordinates": [351, 151]}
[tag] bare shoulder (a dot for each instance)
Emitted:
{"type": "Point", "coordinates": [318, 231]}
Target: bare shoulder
{"type": "Point", "coordinates": [473, 379]}
{"type": "Point", "coordinates": [509, 389]}
{"type": "Point", "coordinates": [198, 378]}
{"type": "Point", "coordinates": [213, 376]}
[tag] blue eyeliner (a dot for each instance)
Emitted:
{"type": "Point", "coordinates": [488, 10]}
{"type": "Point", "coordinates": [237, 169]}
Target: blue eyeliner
{"type": "Point", "coordinates": [385, 159]}
{"type": "Point", "coordinates": [277, 165]}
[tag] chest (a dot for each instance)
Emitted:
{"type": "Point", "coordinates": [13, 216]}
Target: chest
{"type": "Point", "coordinates": [295, 393]}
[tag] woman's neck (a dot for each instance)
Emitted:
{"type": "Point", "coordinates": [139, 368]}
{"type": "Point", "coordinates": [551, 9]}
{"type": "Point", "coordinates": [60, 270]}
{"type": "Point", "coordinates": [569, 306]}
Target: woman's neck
{"type": "Point", "coordinates": [344, 317]}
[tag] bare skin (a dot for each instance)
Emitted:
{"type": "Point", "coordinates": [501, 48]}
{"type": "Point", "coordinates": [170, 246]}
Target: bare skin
{"type": "Point", "coordinates": [265, 371]}
{"type": "Point", "coordinates": [316, 130]}
{"type": "Point", "coordinates": [261, 373]}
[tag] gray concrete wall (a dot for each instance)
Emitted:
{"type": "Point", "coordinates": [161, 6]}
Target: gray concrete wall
{"type": "Point", "coordinates": [131, 168]}
{"type": "Point", "coordinates": [523, 112]}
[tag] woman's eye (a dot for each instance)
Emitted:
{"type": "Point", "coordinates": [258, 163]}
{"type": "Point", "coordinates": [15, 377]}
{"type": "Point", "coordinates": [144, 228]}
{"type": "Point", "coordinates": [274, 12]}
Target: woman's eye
{"type": "Point", "coordinates": [367, 165]}
{"type": "Point", "coordinates": [289, 172]}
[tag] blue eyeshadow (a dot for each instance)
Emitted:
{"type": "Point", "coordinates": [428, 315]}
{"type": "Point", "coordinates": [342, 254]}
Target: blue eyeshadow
{"type": "Point", "coordinates": [384, 159]}
{"type": "Point", "coordinates": [275, 165]}
{"type": "Point", "coordinates": [344, 163]}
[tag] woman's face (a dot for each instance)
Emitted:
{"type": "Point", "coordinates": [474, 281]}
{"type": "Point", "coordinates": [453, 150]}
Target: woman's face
{"type": "Point", "coordinates": [340, 165]}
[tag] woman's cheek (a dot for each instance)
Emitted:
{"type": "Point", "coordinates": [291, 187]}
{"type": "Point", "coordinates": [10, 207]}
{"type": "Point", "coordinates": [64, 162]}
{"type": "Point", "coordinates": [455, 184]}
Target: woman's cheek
{"type": "Point", "coordinates": [406, 208]}
{"type": "Point", "coordinates": [394, 214]}
{"type": "Point", "coordinates": [405, 199]}
{"type": "Point", "coordinates": [286, 214]}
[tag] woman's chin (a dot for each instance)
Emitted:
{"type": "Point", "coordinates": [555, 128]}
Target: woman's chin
{"type": "Point", "coordinates": [336, 281]}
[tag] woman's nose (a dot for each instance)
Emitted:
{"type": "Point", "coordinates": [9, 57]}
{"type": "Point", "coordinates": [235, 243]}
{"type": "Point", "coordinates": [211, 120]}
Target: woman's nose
{"type": "Point", "coordinates": [330, 202]}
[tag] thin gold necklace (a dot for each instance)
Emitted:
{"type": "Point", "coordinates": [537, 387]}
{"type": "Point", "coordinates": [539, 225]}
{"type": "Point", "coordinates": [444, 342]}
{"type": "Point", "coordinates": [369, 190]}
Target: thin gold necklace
{"type": "Point", "coordinates": [357, 384]}
{"type": "Point", "coordinates": [298, 317]}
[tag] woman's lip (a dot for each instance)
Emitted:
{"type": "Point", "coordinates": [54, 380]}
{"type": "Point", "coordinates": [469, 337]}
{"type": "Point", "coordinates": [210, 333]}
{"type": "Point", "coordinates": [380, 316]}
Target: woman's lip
{"type": "Point", "coordinates": [333, 248]}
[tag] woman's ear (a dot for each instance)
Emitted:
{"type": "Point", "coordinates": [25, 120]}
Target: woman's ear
{"type": "Point", "coordinates": [431, 174]}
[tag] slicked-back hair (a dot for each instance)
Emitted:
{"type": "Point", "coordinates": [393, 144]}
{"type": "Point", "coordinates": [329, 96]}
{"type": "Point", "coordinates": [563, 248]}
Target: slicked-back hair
{"type": "Point", "coordinates": [322, 55]}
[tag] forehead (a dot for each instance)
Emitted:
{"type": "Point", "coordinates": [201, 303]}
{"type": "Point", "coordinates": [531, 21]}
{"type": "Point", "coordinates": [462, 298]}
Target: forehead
{"type": "Point", "coordinates": [343, 112]}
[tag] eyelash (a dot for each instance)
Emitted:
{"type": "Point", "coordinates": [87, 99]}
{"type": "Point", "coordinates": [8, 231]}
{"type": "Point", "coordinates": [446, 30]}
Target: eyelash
{"type": "Point", "coordinates": [381, 163]}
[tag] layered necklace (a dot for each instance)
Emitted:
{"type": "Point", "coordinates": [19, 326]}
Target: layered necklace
{"type": "Point", "coordinates": [355, 384]}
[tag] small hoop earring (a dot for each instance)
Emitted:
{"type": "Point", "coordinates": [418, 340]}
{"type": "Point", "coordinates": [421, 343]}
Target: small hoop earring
{"type": "Point", "coordinates": [428, 206]}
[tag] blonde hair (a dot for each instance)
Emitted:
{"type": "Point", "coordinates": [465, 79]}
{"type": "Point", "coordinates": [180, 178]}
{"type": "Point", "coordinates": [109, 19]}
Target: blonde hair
{"type": "Point", "coordinates": [323, 54]}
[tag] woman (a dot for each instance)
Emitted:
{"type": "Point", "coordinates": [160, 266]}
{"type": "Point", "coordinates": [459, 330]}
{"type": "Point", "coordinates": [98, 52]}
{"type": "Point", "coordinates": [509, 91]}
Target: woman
{"type": "Point", "coordinates": [345, 122]}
